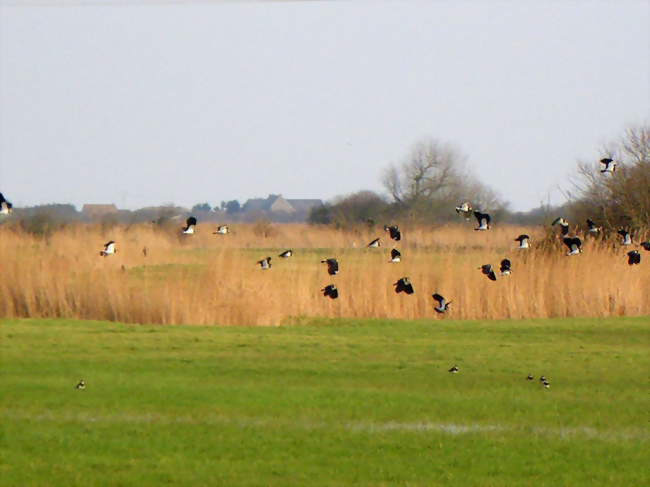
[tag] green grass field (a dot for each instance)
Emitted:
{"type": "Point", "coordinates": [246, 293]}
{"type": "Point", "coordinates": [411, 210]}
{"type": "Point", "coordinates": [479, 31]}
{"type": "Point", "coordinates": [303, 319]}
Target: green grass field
{"type": "Point", "coordinates": [365, 402]}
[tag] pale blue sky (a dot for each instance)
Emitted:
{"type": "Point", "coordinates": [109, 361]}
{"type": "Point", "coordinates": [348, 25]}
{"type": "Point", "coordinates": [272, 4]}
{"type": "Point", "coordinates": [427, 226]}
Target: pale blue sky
{"type": "Point", "coordinates": [142, 104]}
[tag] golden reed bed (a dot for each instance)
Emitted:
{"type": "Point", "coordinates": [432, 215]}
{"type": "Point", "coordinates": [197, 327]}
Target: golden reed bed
{"type": "Point", "coordinates": [210, 279]}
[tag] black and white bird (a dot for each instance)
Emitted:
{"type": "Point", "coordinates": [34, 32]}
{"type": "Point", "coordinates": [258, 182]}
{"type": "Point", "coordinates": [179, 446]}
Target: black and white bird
{"type": "Point", "coordinates": [395, 256]}
{"type": "Point", "coordinates": [403, 285]}
{"type": "Point", "coordinates": [443, 304]}
{"type": "Point", "coordinates": [574, 244]}
{"type": "Point", "coordinates": [332, 266]}
{"type": "Point", "coordinates": [221, 230]}
{"type": "Point", "coordinates": [109, 249]}
{"type": "Point", "coordinates": [5, 206]}
{"type": "Point", "coordinates": [374, 244]}
{"type": "Point", "coordinates": [646, 245]}
{"type": "Point", "coordinates": [286, 254]}
{"type": "Point", "coordinates": [625, 234]}
{"type": "Point", "coordinates": [633, 257]}
{"type": "Point", "coordinates": [465, 209]}
{"type": "Point", "coordinates": [523, 241]}
{"type": "Point", "coordinates": [542, 378]}
{"type": "Point", "coordinates": [265, 264]}
{"type": "Point", "coordinates": [592, 228]}
{"type": "Point", "coordinates": [190, 223]}
{"type": "Point", "coordinates": [609, 165]}
{"type": "Point", "coordinates": [489, 272]}
{"type": "Point", "coordinates": [81, 385]}
{"type": "Point", "coordinates": [394, 232]}
{"type": "Point", "coordinates": [454, 370]}
{"type": "Point", "coordinates": [563, 224]}
{"type": "Point", "coordinates": [530, 377]}
{"type": "Point", "coordinates": [546, 383]}
{"type": "Point", "coordinates": [330, 291]}
{"type": "Point", "coordinates": [483, 220]}
{"type": "Point", "coordinates": [506, 267]}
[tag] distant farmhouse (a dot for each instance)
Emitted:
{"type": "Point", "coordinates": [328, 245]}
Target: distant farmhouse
{"type": "Point", "coordinates": [277, 208]}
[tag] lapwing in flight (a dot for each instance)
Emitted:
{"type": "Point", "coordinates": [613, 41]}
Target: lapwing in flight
{"type": "Point", "coordinates": [633, 257]}
{"type": "Point", "coordinates": [81, 385]}
{"type": "Point", "coordinates": [489, 272]}
{"type": "Point", "coordinates": [592, 228]}
{"type": "Point", "coordinates": [286, 254]}
{"type": "Point", "coordinates": [332, 266]}
{"type": "Point", "coordinates": [109, 249]}
{"type": "Point", "coordinates": [646, 245]}
{"type": "Point", "coordinates": [465, 210]}
{"type": "Point", "coordinates": [394, 232]}
{"type": "Point", "coordinates": [625, 234]}
{"type": "Point", "coordinates": [574, 244]}
{"type": "Point", "coordinates": [374, 244]}
{"type": "Point", "coordinates": [330, 291]}
{"type": "Point", "coordinates": [5, 206]}
{"type": "Point", "coordinates": [523, 241]}
{"type": "Point", "coordinates": [265, 264]}
{"type": "Point", "coordinates": [190, 223]}
{"type": "Point", "coordinates": [403, 285]}
{"type": "Point", "coordinates": [609, 165]}
{"type": "Point", "coordinates": [454, 370]}
{"type": "Point", "coordinates": [395, 256]}
{"type": "Point", "coordinates": [506, 267]}
{"type": "Point", "coordinates": [563, 224]}
{"type": "Point", "coordinates": [483, 220]}
{"type": "Point", "coordinates": [443, 304]}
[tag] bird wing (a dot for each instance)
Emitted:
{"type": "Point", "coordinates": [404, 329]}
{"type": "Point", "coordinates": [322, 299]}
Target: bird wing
{"type": "Point", "coordinates": [440, 299]}
{"type": "Point", "coordinates": [191, 221]}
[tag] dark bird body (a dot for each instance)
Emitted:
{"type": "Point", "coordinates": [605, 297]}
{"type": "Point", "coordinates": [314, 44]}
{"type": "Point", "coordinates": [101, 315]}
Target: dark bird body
{"type": "Point", "coordinates": [483, 220]}
{"type": "Point", "coordinates": [633, 257]}
{"type": "Point", "coordinates": [395, 256]}
{"type": "Point", "coordinates": [394, 232]}
{"type": "Point", "coordinates": [489, 272]}
{"type": "Point", "coordinates": [265, 264]}
{"type": "Point", "coordinates": [404, 285]}
{"type": "Point", "coordinates": [330, 291]}
{"type": "Point", "coordinates": [332, 266]}
{"type": "Point", "coordinates": [443, 305]}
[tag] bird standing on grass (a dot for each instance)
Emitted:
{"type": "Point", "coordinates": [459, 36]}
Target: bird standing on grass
{"type": "Point", "coordinates": [394, 232]}
{"type": "Point", "coordinates": [109, 249]}
{"type": "Point", "coordinates": [609, 165]}
{"type": "Point", "coordinates": [265, 264]}
{"type": "Point", "coordinates": [443, 305]}
{"type": "Point", "coordinates": [374, 244]}
{"type": "Point", "coordinates": [221, 230]}
{"type": "Point", "coordinates": [332, 266]}
{"type": "Point", "coordinates": [190, 223]}
{"type": "Point", "coordinates": [574, 244]}
{"type": "Point", "coordinates": [404, 285]}
{"type": "Point", "coordinates": [330, 291]}
{"type": "Point", "coordinates": [5, 206]}
{"type": "Point", "coordinates": [483, 220]}
{"type": "Point", "coordinates": [81, 385]}
{"type": "Point", "coordinates": [488, 271]}
{"type": "Point", "coordinates": [633, 257]}
{"type": "Point", "coordinates": [523, 241]}
{"type": "Point", "coordinates": [286, 254]}
{"type": "Point", "coordinates": [395, 256]}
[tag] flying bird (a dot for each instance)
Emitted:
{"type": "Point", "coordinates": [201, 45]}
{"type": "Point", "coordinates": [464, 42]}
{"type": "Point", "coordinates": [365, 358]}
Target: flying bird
{"type": "Point", "coordinates": [627, 238]}
{"type": "Point", "coordinates": [454, 370]}
{"type": "Point", "coordinates": [465, 209]}
{"type": "Point", "coordinates": [5, 206]}
{"type": "Point", "coordinates": [190, 224]}
{"type": "Point", "coordinates": [523, 241]}
{"type": "Point", "coordinates": [404, 285]}
{"type": "Point", "coordinates": [396, 256]}
{"type": "Point", "coordinates": [633, 257]}
{"type": "Point", "coordinates": [610, 165]}
{"type": "Point", "coordinates": [443, 304]}
{"type": "Point", "coordinates": [646, 245]}
{"type": "Point", "coordinates": [483, 220]}
{"type": "Point", "coordinates": [574, 244]}
{"type": "Point", "coordinates": [109, 249]}
{"type": "Point", "coordinates": [506, 267]}
{"type": "Point", "coordinates": [286, 254]}
{"type": "Point", "coordinates": [221, 230]}
{"type": "Point", "coordinates": [592, 228]}
{"type": "Point", "coordinates": [563, 223]}
{"type": "Point", "coordinates": [332, 266]}
{"type": "Point", "coordinates": [530, 377]}
{"type": "Point", "coordinates": [330, 291]}
{"type": "Point", "coordinates": [394, 232]}
{"type": "Point", "coordinates": [546, 383]}
{"type": "Point", "coordinates": [81, 385]}
{"type": "Point", "coordinates": [374, 244]}
{"type": "Point", "coordinates": [489, 272]}
{"type": "Point", "coordinates": [265, 264]}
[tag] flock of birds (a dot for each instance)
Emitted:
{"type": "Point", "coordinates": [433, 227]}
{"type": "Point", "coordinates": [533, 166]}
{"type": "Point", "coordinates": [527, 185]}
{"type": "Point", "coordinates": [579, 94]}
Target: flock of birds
{"type": "Point", "coordinates": [404, 284]}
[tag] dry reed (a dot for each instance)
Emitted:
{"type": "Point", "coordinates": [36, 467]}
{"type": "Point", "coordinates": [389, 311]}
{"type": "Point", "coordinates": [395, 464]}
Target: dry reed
{"type": "Point", "coordinates": [210, 279]}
